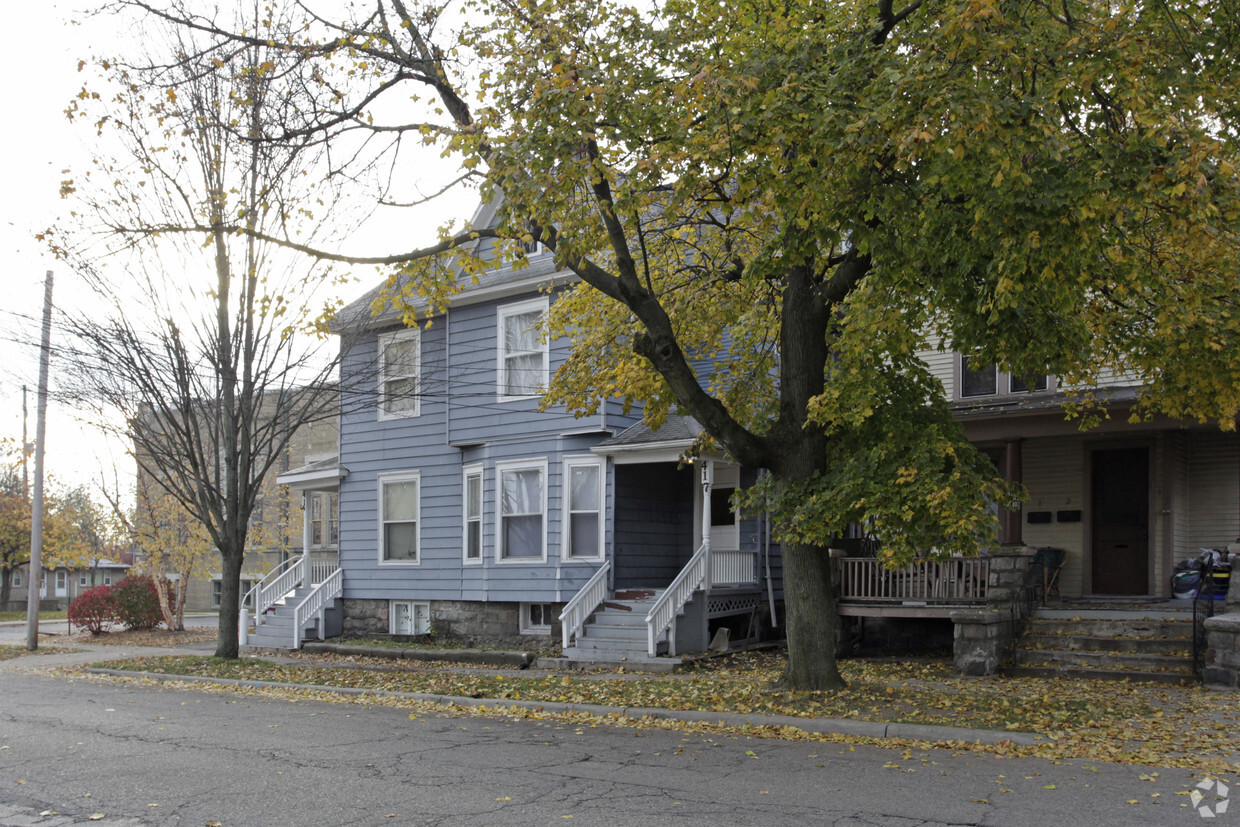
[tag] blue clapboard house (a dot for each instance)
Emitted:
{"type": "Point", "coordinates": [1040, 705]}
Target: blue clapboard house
{"type": "Point", "coordinates": [468, 513]}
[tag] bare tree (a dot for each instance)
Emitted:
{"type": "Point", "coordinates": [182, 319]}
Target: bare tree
{"type": "Point", "coordinates": [208, 350]}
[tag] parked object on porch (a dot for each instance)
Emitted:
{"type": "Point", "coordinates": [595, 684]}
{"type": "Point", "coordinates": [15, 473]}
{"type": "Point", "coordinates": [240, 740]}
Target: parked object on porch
{"type": "Point", "coordinates": [1185, 583]}
{"type": "Point", "coordinates": [1047, 564]}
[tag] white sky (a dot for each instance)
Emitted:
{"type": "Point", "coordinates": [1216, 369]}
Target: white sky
{"type": "Point", "coordinates": [37, 146]}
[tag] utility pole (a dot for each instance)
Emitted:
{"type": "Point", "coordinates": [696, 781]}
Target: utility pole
{"type": "Point", "coordinates": [25, 450]}
{"type": "Point", "coordinates": [36, 508]}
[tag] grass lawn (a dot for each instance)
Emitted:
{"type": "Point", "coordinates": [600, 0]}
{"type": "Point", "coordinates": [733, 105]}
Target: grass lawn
{"type": "Point", "coordinates": [11, 616]}
{"type": "Point", "coordinates": [1101, 720]}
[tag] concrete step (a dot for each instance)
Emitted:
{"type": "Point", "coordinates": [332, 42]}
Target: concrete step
{"type": "Point", "coordinates": [605, 645]}
{"type": "Point", "coordinates": [1104, 660]}
{"type": "Point", "coordinates": [1131, 628]}
{"type": "Point", "coordinates": [618, 620]}
{"type": "Point", "coordinates": [615, 632]}
{"type": "Point", "coordinates": [1096, 674]}
{"type": "Point", "coordinates": [1090, 643]}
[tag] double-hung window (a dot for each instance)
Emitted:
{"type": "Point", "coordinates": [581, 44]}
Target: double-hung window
{"type": "Point", "coordinates": [324, 519]}
{"type": "Point", "coordinates": [472, 515]}
{"type": "Point", "coordinates": [979, 379]}
{"type": "Point", "coordinates": [522, 356]}
{"type": "Point", "coordinates": [583, 508]}
{"type": "Point", "coordinates": [400, 361]}
{"type": "Point", "coordinates": [398, 517]}
{"type": "Point", "coordinates": [522, 512]}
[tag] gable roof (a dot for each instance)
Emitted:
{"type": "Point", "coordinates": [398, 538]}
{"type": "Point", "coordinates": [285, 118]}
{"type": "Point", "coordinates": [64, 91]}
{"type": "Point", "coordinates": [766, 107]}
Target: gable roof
{"type": "Point", "coordinates": [501, 282]}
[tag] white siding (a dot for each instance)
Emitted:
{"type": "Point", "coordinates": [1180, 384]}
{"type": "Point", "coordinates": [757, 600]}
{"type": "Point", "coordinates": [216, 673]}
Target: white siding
{"type": "Point", "coordinates": [942, 364]}
{"type": "Point", "coordinates": [1213, 490]}
{"type": "Point", "coordinates": [1054, 472]}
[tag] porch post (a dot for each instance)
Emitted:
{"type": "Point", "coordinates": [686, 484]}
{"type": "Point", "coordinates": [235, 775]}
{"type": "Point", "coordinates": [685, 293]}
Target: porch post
{"type": "Point", "coordinates": [305, 538]}
{"type": "Point", "coordinates": [708, 480]}
{"type": "Point", "coordinates": [1012, 517]}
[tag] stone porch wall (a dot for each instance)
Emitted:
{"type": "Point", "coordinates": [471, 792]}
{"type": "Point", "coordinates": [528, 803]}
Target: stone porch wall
{"type": "Point", "coordinates": [462, 622]}
{"type": "Point", "coordinates": [981, 637]}
{"type": "Point", "coordinates": [1222, 663]}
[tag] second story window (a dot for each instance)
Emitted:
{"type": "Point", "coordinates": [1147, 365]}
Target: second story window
{"type": "Point", "coordinates": [979, 379]}
{"type": "Point", "coordinates": [400, 359]}
{"type": "Point", "coordinates": [522, 356]}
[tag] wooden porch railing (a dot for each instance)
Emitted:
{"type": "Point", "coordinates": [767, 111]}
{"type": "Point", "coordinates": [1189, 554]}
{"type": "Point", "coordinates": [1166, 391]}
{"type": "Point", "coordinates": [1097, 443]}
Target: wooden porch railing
{"type": "Point", "coordinates": [956, 580]}
{"type": "Point", "coordinates": [733, 568]}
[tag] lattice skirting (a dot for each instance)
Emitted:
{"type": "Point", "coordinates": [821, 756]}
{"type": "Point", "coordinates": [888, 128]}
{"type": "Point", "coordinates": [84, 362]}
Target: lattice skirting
{"type": "Point", "coordinates": [732, 604]}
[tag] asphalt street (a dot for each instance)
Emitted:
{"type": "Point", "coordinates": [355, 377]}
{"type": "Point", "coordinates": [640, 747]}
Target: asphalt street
{"type": "Point", "coordinates": [73, 748]}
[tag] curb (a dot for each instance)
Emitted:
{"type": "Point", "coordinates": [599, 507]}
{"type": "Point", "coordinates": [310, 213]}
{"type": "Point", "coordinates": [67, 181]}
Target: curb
{"type": "Point", "coordinates": [822, 726]}
{"type": "Point", "coordinates": [475, 656]}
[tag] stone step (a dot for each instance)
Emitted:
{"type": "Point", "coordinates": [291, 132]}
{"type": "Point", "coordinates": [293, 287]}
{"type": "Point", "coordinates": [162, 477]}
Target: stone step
{"type": "Point", "coordinates": [1103, 660]}
{"type": "Point", "coordinates": [1151, 628]}
{"type": "Point", "coordinates": [1096, 674]}
{"type": "Point", "coordinates": [1074, 643]}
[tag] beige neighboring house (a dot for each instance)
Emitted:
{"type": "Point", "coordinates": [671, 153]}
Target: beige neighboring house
{"type": "Point", "coordinates": [282, 517]}
{"type": "Point", "coordinates": [1126, 500]}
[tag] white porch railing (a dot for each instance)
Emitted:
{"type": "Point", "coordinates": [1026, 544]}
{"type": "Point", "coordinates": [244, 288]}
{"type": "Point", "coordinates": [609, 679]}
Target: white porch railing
{"type": "Point", "coordinates": [312, 606]}
{"type": "Point", "coordinates": [662, 616]}
{"type": "Point", "coordinates": [733, 568]}
{"type": "Point", "coordinates": [956, 580]}
{"type": "Point", "coordinates": [266, 592]}
{"type": "Point", "coordinates": [583, 604]}
{"type": "Point", "coordinates": [320, 571]}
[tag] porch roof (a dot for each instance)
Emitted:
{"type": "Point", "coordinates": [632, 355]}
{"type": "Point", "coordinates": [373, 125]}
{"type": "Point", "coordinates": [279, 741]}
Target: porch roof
{"type": "Point", "coordinates": [320, 474]}
{"type": "Point", "coordinates": [640, 443]}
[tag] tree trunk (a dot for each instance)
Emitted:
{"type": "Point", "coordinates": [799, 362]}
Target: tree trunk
{"type": "Point", "coordinates": [6, 586]}
{"type": "Point", "coordinates": [178, 609]}
{"type": "Point", "coordinates": [810, 619]}
{"type": "Point", "coordinates": [162, 582]}
{"type": "Point", "coordinates": [230, 594]}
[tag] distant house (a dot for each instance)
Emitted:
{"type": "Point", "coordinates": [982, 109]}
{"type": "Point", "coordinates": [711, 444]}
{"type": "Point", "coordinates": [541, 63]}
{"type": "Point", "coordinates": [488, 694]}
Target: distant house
{"type": "Point", "coordinates": [275, 530]}
{"type": "Point", "coordinates": [60, 585]}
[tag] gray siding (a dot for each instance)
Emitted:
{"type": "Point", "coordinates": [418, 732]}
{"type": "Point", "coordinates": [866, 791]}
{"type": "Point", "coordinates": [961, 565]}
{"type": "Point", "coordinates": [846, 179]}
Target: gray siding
{"type": "Point", "coordinates": [460, 422]}
{"type": "Point", "coordinates": [654, 523]}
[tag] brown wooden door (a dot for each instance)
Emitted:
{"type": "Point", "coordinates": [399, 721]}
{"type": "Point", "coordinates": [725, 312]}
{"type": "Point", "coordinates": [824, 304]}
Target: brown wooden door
{"type": "Point", "coordinates": [1121, 544]}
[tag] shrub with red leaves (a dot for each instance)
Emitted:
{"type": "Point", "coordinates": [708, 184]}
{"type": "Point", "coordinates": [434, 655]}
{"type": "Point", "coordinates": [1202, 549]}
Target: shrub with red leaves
{"type": "Point", "coordinates": [137, 602]}
{"type": "Point", "coordinates": [94, 610]}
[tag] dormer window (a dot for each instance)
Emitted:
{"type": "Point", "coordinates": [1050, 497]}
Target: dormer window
{"type": "Point", "coordinates": [980, 379]}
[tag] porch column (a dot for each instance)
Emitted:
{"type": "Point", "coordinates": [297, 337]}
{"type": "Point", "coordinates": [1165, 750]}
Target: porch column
{"type": "Point", "coordinates": [708, 480]}
{"type": "Point", "coordinates": [1012, 518]}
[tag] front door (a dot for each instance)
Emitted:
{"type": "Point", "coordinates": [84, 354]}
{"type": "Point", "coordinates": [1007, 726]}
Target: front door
{"type": "Point", "coordinates": [1120, 518]}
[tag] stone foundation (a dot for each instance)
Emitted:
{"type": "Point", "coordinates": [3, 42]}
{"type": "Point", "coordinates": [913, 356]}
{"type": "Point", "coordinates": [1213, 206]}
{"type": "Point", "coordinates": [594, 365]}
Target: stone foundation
{"type": "Point", "coordinates": [1222, 663]}
{"type": "Point", "coordinates": [461, 622]}
{"type": "Point", "coordinates": [979, 640]}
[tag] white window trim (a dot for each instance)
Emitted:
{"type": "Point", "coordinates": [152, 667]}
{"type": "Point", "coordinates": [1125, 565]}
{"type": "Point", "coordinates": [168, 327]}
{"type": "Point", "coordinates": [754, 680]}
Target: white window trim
{"type": "Point", "coordinates": [62, 587]}
{"type": "Point", "coordinates": [566, 529]}
{"type": "Point", "coordinates": [413, 615]}
{"type": "Point", "coordinates": [83, 582]}
{"type": "Point", "coordinates": [107, 578]}
{"type": "Point", "coordinates": [15, 579]}
{"type": "Point", "coordinates": [382, 480]}
{"type": "Point", "coordinates": [540, 304]}
{"type": "Point", "coordinates": [518, 465]}
{"type": "Point", "coordinates": [385, 339]}
{"type": "Point", "coordinates": [468, 471]}
{"type": "Point", "coordinates": [529, 628]}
